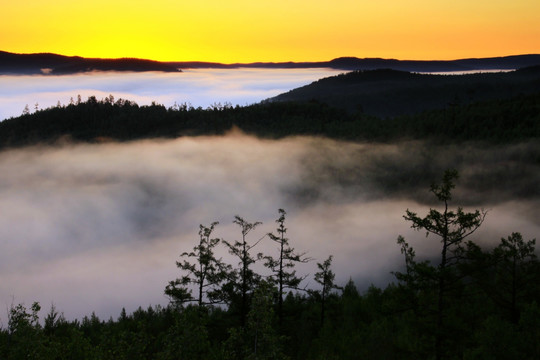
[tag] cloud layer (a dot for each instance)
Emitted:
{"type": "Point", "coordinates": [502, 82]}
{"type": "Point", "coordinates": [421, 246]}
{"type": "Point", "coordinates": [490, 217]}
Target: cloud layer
{"type": "Point", "coordinates": [196, 87]}
{"type": "Point", "coordinates": [99, 227]}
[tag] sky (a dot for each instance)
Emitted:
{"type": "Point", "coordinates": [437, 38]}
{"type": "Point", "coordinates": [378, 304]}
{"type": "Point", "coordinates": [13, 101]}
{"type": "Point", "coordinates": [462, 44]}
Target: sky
{"type": "Point", "coordinates": [278, 30]}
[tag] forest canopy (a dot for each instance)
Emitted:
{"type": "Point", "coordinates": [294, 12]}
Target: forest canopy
{"type": "Point", "coordinates": [497, 121]}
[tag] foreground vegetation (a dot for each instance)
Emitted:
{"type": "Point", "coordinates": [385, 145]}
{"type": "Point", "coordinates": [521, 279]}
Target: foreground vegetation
{"type": "Point", "coordinates": [470, 303]}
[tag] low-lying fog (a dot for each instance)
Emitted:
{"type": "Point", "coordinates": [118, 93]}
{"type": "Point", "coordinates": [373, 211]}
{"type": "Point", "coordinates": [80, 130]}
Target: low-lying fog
{"type": "Point", "coordinates": [99, 227]}
{"type": "Point", "coordinates": [202, 87]}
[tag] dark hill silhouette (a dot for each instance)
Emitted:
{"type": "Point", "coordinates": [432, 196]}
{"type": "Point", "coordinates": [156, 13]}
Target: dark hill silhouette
{"type": "Point", "coordinates": [58, 65]}
{"type": "Point", "coordinates": [389, 93]}
{"type": "Point", "coordinates": [137, 65]}
{"type": "Point", "coordinates": [353, 63]}
{"type": "Point", "coordinates": [494, 63]}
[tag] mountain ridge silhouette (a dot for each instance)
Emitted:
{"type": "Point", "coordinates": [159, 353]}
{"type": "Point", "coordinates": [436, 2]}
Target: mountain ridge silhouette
{"type": "Point", "coordinates": [54, 64]}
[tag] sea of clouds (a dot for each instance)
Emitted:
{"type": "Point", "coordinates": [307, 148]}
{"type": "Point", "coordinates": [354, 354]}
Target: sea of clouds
{"type": "Point", "coordinates": [99, 227]}
{"type": "Point", "coordinates": [203, 87]}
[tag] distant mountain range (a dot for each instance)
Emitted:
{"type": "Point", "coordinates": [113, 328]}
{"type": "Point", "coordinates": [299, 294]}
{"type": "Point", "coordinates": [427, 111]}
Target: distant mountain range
{"type": "Point", "coordinates": [353, 63]}
{"type": "Point", "coordinates": [53, 64]}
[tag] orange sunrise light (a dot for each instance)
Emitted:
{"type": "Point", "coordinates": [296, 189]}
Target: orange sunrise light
{"type": "Point", "coordinates": [245, 31]}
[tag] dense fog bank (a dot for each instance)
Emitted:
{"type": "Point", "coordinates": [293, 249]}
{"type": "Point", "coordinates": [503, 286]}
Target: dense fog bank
{"type": "Point", "coordinates": [99, 227]}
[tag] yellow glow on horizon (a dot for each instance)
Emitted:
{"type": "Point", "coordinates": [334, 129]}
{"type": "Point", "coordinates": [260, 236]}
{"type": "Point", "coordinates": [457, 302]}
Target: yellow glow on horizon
{"type": "Point", "coordinates": [278, 30]}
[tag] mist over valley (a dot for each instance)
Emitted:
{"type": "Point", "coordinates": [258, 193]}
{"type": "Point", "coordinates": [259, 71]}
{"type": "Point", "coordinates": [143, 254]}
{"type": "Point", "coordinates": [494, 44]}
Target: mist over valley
{"type": "Point", "coordinates": [100, 226]}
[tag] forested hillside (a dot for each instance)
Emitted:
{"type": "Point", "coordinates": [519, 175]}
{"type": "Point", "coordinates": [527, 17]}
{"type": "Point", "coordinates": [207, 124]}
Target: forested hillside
{"type": "Point", "coordinates": [508, 120]}
{"type": "Point", "coordinates": [390, 93]}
